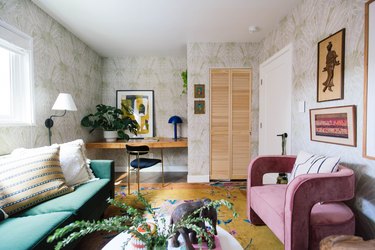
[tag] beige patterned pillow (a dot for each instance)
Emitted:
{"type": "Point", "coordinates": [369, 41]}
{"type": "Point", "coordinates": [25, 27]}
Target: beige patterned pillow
{"type": "Point", "coordinates": [30, 178]}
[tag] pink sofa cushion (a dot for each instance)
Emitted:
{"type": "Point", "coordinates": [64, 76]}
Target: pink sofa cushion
{"type": "Point", "coordinates": [268, 203]}
{"type": "Point", "coordinates": [330, 214]}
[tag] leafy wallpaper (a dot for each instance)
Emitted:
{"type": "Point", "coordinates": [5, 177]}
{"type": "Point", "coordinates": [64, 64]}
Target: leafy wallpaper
{"type": "Point", "coordinates": [200, 58]}
{"type": "Point", "coordinates": [62, 63]}
{"type": "Point", "coordinates": [306, 25]}
{"type": "Point", "coordinates": [161, 74]}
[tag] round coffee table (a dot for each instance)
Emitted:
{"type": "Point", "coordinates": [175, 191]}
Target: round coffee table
{"type": "Point", "coordinates": [227, 241]}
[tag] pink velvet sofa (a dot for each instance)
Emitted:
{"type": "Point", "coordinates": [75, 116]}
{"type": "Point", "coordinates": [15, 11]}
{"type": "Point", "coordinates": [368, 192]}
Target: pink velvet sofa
{"type": "Point", "coordinates": [304, 211]}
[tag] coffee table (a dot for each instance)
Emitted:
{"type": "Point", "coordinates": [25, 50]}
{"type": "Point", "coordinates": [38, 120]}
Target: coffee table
{"type": "Point", "coordinates": [227, 241]}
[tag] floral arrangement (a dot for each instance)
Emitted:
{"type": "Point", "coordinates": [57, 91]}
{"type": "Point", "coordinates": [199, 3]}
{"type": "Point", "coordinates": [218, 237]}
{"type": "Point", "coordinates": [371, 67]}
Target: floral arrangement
{"type": "Point", "coordinates": [133, 219]}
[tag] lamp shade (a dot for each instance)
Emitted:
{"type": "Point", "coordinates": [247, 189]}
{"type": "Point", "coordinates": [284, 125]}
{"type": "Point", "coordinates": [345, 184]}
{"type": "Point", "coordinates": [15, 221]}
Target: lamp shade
{"type": "Point", "coordinates": [64, 102]}
{"type": "Point", "coordinates": [175, 119]}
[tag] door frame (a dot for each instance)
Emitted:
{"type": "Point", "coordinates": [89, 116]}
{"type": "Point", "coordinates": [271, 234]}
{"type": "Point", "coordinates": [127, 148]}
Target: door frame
{"type": "Point", "coordinates": [287, 51]}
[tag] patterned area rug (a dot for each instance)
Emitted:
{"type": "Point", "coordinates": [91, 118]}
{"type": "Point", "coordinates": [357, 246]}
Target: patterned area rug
{"type": "Point", "coordinates": [165, 199]}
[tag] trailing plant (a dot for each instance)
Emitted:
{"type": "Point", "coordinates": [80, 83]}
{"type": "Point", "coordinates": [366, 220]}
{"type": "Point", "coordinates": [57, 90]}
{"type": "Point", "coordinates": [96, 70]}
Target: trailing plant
{"type": "Point", "coordinates": [134, 218]}
{"type": "Point", "coordinates": [111, 119]}
{"type": "Point", "coordinates": [184, 75]}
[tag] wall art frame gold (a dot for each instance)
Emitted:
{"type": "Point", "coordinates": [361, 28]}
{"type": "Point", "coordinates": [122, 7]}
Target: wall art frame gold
{"type": "Point", "coordinates": [330, 71]}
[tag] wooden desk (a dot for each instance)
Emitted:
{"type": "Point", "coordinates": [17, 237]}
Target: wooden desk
{"type": "Point", "coordinates": [154, 143]}
{"type": "Point", "coordinates": [159, 143]}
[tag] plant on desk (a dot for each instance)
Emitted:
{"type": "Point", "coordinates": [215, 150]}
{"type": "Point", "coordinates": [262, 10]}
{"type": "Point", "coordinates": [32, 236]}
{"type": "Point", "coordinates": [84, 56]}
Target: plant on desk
{"type": "Point", "coordinates": [110, 119]}
{"type": "Point", "coordinates": [133, 221]}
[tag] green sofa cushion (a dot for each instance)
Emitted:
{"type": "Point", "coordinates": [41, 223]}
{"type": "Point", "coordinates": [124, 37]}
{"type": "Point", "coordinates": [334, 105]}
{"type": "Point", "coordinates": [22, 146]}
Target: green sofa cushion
{"type": "Point", "coordinates": [73, 201]}
{"type": "Point", "coordinates": [26, 232]}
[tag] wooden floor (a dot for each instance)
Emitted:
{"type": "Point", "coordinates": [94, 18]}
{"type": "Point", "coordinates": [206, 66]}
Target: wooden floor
{"type": "Point", "coordinates": [152, 177]}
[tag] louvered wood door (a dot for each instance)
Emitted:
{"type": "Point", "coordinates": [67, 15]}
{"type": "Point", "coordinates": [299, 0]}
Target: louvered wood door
{"type": "Point", "coordinates": [220, 124]}
{"type": "Point", "coordinates": [241, 122]}
{"type": "Point", "coordinates": [230, 123]}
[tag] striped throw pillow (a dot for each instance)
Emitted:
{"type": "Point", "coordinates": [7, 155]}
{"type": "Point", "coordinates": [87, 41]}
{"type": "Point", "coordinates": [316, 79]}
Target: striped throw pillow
{"type": "Point", "coordinates": [312, 164]}
{"type": "Point", "coordinates": [30, 178]}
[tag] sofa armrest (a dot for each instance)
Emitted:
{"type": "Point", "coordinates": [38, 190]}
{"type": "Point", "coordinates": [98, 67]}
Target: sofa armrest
{"type": "Point", "coordinates": [304, 192]}
{"type": "Point", "coordinates": [105, 169]}
{"type": "Point", "coordinates": [268, 164]}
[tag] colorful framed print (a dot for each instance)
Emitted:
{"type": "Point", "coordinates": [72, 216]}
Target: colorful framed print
{"type": "Point", "coordinates": [330, 76]}
{"type": "Point", "coordinates": [335, 125]}
{"type": "Point", "coordinates": [199, 91]}
{"type": "Point", "coordinates": [199, 107]}
{"type": "Point", "coordinates": [141, 102]}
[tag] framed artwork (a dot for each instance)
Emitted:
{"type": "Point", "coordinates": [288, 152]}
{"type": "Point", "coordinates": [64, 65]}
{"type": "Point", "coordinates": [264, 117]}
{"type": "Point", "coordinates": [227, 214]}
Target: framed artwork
{"type": "Point", "coordinates": [334, 125]}
{"type": "Point", "coordinates": [141, 102]}
{"type": "Point", "coordinates": [199, 107]}
{"type": "Point", "coordinates": [369, 83]}
{"type": "Point", "coordinates": [199, 91]}
{"type": "Point", "coordinates": [330, 77]}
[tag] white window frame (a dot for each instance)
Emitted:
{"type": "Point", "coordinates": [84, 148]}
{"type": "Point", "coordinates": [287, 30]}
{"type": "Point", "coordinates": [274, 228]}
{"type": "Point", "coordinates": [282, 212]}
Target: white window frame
{"type": "Point", "coordinates": [22, 84]}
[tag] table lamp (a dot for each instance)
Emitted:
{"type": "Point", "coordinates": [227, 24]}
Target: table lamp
{"type": "Point", "coordinates": [175, 120]}
{"type": "Point", "coordinates": [63, 102]}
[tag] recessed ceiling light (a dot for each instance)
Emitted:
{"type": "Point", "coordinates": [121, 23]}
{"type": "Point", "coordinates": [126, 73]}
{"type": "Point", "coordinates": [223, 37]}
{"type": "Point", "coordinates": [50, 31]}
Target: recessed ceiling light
{"type": "Point", "coordinates": [253, 29]}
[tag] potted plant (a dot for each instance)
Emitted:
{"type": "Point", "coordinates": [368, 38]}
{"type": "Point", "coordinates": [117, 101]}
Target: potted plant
{"type": "Point", "coordinates": [184, 76]}
{"type": "Point", "coordinates": [112, 121]}
{"type": "Point", "coordinates": [153, 235]}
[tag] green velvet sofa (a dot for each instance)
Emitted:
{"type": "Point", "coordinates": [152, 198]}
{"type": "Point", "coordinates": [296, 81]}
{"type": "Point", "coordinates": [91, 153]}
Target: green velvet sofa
{"type": "Point", "coordinates": [30, 229]}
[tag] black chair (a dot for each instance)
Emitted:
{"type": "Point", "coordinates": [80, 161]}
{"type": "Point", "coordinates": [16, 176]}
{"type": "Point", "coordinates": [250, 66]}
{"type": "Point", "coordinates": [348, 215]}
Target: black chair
{"type": "Point", "coordinates": [140, 163]}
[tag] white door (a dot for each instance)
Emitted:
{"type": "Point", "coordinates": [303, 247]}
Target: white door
{"type": "Point", "coordinates": [275, 98]}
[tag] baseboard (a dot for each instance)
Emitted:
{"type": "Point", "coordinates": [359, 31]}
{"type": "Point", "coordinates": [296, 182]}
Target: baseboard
{"type": "Point", "coordinates": [198, 178]}
{"type": "Point", "coordinates": [157, 168]}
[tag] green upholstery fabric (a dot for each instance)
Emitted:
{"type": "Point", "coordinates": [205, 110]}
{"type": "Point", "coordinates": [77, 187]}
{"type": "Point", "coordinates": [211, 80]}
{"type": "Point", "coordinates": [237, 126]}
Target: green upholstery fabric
{"type": "Point", "coordinates": [29, 229]}
{"type": "Point", "coordinates": [28, 232]}
{"type": "Point", "coordinates": [71, 202]}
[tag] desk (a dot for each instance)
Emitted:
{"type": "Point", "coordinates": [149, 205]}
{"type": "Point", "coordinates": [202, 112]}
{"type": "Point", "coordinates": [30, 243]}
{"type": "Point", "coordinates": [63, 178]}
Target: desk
{"type": "Point", "coordinates": [159, 143]}
{"type": "Point", "coordinates": [154, 143]}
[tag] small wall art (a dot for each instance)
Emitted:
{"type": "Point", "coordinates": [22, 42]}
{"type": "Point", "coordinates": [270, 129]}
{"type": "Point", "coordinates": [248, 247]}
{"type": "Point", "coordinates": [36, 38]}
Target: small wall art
{"type": "Point", "coordinates": [330, 76]}
{"type": "Point", "coordinates": [199, 107]}
{"type": "Point", "coordinates": [199, 91]}
{"type": "Point", "coordinates": [335, 125]}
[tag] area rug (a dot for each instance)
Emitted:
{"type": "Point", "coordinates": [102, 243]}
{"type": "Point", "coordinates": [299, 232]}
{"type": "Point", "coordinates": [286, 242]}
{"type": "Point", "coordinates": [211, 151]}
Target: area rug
{"type": "Point", "coordinates": [165, 199]}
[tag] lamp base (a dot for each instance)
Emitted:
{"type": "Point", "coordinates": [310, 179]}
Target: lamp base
{"type": "Point", "coordinates": [48, 123]}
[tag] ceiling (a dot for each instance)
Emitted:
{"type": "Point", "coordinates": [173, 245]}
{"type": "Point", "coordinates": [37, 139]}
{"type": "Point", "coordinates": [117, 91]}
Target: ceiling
{"type": "Point", "coordinates": [116, 28]}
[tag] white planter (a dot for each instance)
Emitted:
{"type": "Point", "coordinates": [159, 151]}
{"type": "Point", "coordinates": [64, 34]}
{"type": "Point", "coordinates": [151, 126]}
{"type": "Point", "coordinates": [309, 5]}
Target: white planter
{"type": "Point", "coordinates": [110, 136]}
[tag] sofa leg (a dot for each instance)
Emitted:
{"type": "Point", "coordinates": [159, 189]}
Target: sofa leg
{"type": "Point", "coordinates": [255, 219]}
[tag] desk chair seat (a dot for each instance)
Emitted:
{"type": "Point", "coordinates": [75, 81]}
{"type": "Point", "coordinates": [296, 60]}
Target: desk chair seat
{"type": "Point", "coordinates": [144, 163]}
{"type": "Point", "coordinates": [140, 163]}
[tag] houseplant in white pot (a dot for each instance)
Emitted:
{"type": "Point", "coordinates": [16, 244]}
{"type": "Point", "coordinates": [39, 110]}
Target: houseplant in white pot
{"type": "Point", "coordinates": [111, 120]}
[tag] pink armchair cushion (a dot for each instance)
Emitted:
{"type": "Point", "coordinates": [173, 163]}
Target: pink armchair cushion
{"type": "Point", "coordinates": [268, 202]}
{"type": "Point", "coordinates": [330, 213]}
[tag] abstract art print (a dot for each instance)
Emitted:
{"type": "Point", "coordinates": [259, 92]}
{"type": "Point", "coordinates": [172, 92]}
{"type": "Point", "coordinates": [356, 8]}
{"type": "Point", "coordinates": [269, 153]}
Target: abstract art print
{"type": "Point", "coordinates": [330, 76]}
{"type": "Point", "coordinates": [141, 103]}
{"type": "Point", "coordinates": [199, 107]}
{"type": "Point", "coordinates": [334, 125]}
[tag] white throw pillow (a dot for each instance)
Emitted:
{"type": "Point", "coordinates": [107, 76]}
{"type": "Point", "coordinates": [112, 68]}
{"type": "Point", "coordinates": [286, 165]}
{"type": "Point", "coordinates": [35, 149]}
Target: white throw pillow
{"type": "Point", "coordinates": [312, 164]}
{"type": "Point", "coordinates": [75, 164]}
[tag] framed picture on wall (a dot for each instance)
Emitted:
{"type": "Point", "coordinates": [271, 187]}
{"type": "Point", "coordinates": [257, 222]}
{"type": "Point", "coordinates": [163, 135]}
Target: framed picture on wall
{"type": "Point", "coordinates": [199, 91]}
{"type": "Point", "coordinates": [334, 125]}
{"type": "Point", "coordinates": [330, 76]}
{"type": "Point", "coordinates": [369, 83]}
{"type": "Point", "coordinates": [141, 105]}
{"type": "Point", "coordinates": [199, 107]}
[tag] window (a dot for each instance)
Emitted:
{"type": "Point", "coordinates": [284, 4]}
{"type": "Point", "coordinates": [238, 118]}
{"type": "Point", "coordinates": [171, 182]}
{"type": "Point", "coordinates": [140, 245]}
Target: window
{"type": "Point", "coordinates": [16, 102]}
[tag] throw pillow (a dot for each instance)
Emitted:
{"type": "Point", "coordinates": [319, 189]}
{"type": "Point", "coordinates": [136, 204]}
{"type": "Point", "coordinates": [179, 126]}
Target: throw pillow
{"type": "Point", "coordinates": [3, 215]}
{"type": "Point", "coordinates": [312, 164]}
{"type": "Point", "coordinates": [30, 178]}
{"type": "Point", "coordinates": [75, 164]}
